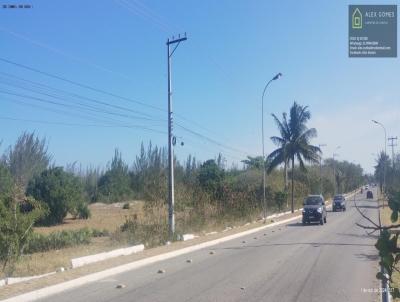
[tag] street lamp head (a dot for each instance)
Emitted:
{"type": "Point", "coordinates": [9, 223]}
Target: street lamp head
{"type": "Point", "coordinates": [277, 77]}
{"type": "Point", "coordinates": [375, 122]}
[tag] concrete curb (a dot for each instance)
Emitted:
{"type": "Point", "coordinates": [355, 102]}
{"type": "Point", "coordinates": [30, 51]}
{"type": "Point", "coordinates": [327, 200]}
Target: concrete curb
{"type": "Point", "coordinates": [187, 237]}
{"type": "Point", "coordinates": [14, 280]}
{"type": "Point", "coordinates": [81, 261]}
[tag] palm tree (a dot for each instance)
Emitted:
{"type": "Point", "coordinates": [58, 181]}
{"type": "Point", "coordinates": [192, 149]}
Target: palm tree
{"type": "Point", "coordinates": [280, 155]}
{"type": "Point", "coordinates": [294, 142]}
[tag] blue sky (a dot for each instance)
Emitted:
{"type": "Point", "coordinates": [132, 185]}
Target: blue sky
{"type": "Point", "coordinates": [233, 49]}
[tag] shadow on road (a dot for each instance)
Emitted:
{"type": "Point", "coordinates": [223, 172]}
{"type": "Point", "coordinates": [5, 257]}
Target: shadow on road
{"type": "Point", "coordinates": [366, 206]}
{"type": "Point", "coordinates": [314, 244]}
{"type": "Point", "coordinates": [300, 224]}
{"type": "Point", "coordinates": [358, 235]}
{"type": "Point", "coordinates": [369, 257]}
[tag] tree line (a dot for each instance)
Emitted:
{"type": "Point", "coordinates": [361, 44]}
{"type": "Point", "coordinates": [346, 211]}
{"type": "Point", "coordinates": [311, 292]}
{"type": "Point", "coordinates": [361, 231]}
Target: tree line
{"type": "Point", "coordinates": [34, 191]}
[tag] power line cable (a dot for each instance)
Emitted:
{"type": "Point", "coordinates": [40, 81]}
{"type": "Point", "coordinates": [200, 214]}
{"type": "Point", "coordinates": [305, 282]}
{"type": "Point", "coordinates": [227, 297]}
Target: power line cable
{"type": "Point", "coordinates": [48, 101]}
{"type": "Point", "coordinates": [147, 13]}
{"type": "Point", "coordinates": [141, 12]}
{"type": "Point", "coordinates": [136, 7]}
{"type": "Point", "coordinates": [210, 139]}
{"type": "Point", "coordinates": [83, 106]}
{"type": "Point", "coordinates": [69, 124]}
{"type": "Point", "coordinates": [185, 128]}
{"type": "Point", "coordinates": [79, 84]}
{"type": "Point", "coordinates": [206, 147]}
{"type": "Point", "coordinates": [122, 108]}
{"type": "Point", "coordinates": [111, 94]}
{"type": "Point", "coordinates": [62, 53]}
{"type": "Point", "coordinates": [141, 127]}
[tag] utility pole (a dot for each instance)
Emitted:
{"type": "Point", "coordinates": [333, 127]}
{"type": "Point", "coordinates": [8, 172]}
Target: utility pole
{"type": "Point", "coordinates": [334, 170]}
{"type": "Point", "coordinates": [384, 164]}
{"type": "Point", "coordinates": [392, 144]}
{"type": "Point", "coordinates": [320, 168]}
{"type": "Point", "coordinates": [171, 140]}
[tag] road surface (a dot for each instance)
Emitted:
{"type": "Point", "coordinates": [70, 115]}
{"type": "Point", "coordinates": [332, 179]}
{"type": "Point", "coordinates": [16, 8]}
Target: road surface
{"type": "Point", "coordinates": [335, 262]}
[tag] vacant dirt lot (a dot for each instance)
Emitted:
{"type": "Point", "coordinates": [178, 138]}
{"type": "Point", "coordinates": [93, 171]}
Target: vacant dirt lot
{"type": "Point", "coordinates": [104, 216]}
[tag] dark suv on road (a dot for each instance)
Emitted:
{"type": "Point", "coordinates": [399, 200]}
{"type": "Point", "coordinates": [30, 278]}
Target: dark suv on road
{"type": "Point", "coordinates": [339, 203]}
{"type": "Point", "coordinates": [314, 209]}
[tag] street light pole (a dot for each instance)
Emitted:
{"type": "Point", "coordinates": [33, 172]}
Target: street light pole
{"type": "Point", "coordinates": [384, 163]}
{"type": "Point", "coordinates": [385, 283]}
{"type": "Point", "coordinates": [334, 170]}
{"type": "Point", "coordinates": [320, 168]}
{"type": "Point", "coordinates": [171, 199]}
{"type": "Point", "coordinates": [262, 137]}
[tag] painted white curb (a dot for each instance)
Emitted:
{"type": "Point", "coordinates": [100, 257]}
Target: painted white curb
{"type": "Point", "coordinates": [81, 261]}
{"type": "Point", "coordinates": [187, 237]}
{"type": "Point", "coordinates": [21, 279]}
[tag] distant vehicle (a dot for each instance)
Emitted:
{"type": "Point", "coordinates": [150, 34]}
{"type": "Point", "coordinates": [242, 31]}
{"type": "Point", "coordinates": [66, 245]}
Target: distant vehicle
{"type": "Point", "coordinates": [370, 195]}
{"type": "Point", "coordinates": [366, 187]}
{"type": "Point", "coordinates": [314, 209]}
{"type": "Point", "coordinates": [339, 203]}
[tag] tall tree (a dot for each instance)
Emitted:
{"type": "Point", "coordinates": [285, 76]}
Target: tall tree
{"type": "Point", "coordinates": [211, 178]}
{"type": "Point", "coordinates": [61, 191]}
{"type": "Point", "coordinates": [27, 158]}
{"type": "Point", "coordinates": [294, 142]}
{"type": "Point", "coordinates": [115, 184]}
{"type": "Point", "coordinates": [281, 154]}
{"type": "Point", "coordinates": [382, 164]}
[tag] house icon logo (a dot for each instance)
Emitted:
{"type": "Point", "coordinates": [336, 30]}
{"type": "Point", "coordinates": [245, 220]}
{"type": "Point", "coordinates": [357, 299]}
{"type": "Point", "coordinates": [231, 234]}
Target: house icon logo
{"type": "Point", "coordinates": [356, 19]}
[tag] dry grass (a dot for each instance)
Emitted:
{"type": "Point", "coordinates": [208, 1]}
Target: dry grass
{"type": "Point", "coordinates": [111, 217]}
{"type": "Point", "coordinates": [385, 212]}
{"type": "Point", "coordinates": [50, 261]}
{"type": "Point", "coordinates": [104, 216]}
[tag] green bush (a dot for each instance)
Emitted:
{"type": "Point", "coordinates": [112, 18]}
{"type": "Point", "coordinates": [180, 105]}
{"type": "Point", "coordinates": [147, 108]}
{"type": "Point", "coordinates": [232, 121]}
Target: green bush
{"type": "Point", "coordinates": [280, 199]}
{"type": "Point", "coordinates": [211, 177]}
{"type": "Point", "coordinates": [150, 233]}
{"type": "Point", "coordinates": [115, 184]}
{"type": "Point", "coordinates": [100, 233]}
{"type": "Point", "coordinates": [62, 239]}
{"type": "Point", "coordinates": [84, 211]}
{"type": "Point", "coordinates": [61, 191]}
{"type": "Point", "coordinates": [6, 182]}
{"type": "Point", "coordinates": [16, 229]}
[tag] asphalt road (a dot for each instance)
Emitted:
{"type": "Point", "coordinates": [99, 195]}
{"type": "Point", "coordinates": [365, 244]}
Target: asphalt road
{"type": "Point", "coordinates": [335, 262]}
